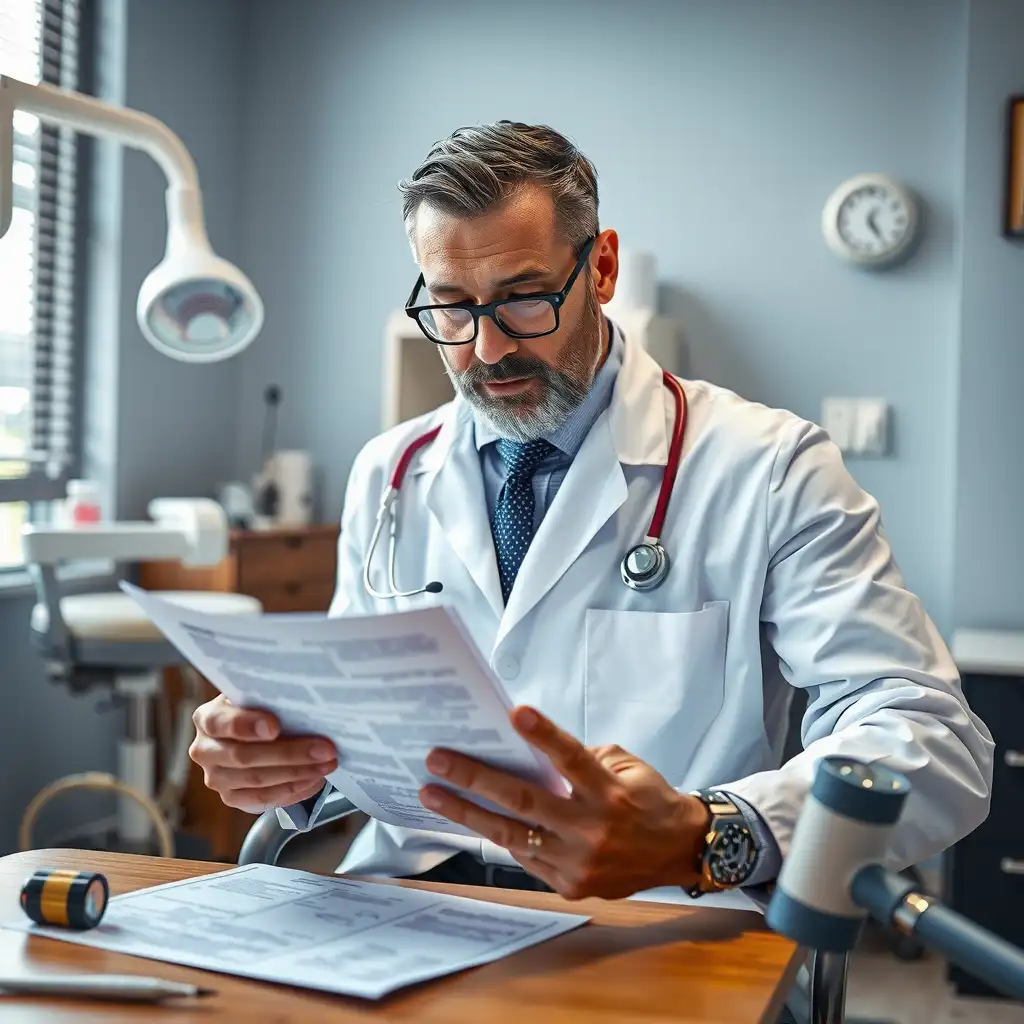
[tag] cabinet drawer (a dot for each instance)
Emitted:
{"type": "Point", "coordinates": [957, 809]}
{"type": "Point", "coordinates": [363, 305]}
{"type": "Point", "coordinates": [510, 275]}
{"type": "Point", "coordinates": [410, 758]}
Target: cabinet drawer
{"type": "Point", "coordinates": [289, 558]}
{"type": "Point", "coordinates": [296, 597]}
{"type": "Point", "coordinates": [988, 887]}
{"type": "Point", "coordinates": [1005, 821]}
{"type": "Point", "coordinates": [999, 702]}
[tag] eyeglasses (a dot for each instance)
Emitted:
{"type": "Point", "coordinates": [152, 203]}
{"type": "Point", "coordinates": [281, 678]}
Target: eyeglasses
{"type": "Point", "coordinates": [525, 316]}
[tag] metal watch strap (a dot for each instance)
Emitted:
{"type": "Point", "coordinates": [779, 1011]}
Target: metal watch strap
{"type": "Point", "coordinates": [721, 809]}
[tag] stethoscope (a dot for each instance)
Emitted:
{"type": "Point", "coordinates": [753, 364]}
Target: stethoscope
{"type": "Point", "coordinates": [644, 566]}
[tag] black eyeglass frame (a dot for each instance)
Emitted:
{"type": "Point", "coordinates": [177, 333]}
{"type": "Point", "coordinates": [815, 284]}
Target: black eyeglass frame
{"type": "Point", "coordinates": [555, 299]}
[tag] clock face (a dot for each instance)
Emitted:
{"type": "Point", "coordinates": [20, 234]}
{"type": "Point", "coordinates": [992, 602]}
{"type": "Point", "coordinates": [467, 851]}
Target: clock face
{"type": "Point", "coordinates": [873, 220]}
{"type": "Point", "coordinates": [870, 220]}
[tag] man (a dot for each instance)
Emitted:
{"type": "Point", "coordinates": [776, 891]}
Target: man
{"type": "Point", "coordinates": [664, 708]}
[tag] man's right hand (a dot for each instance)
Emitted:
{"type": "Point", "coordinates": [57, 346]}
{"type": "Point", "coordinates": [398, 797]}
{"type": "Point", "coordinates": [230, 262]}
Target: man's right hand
{"type": "Point", "coordinates": [250, 764]}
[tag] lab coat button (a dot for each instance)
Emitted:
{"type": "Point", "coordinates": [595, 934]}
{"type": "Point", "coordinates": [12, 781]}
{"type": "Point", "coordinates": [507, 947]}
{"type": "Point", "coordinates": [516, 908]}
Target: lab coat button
{"type": "Point", "coordinates": [508, 666]}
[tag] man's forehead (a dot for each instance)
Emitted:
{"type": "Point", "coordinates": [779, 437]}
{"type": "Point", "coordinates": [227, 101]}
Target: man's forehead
{"type": "Point", "coordinates": [520, 231]}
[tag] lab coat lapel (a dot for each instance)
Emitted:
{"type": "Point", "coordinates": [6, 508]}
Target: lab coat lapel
{"type": "Point", "coordinates": [632, 431]}
{"type": "Point", "coordinates": [455, 497]}
{"type": "Point", "coordinates": [593, 490]}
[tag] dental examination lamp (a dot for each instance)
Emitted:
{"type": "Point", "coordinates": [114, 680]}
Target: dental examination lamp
{"type": "Point", "coordinates": [194, 306]}
{"type": "Point", "coordinates": [833, 878]}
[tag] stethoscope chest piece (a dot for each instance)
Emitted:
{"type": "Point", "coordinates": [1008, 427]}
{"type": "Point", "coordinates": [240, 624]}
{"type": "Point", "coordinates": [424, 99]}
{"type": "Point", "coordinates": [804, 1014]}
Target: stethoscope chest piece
{"type": "Point", "coordinates": [645, 566]}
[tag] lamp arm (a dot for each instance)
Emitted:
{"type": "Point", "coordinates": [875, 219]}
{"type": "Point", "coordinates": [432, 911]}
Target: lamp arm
{"type": "Point", "coordinates": [88, 114]}
{"type": "Point", "coordinates": [193, 306]}
{"type": "Point", "coordinates": [130, 127]}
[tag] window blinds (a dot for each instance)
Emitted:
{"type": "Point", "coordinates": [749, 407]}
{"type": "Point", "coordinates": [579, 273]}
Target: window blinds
{"type": "Point", "coordinates": [39, 40]}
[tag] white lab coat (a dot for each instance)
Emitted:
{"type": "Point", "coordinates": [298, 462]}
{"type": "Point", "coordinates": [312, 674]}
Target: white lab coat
{"type": "Point", "coordinates": [780, 578]}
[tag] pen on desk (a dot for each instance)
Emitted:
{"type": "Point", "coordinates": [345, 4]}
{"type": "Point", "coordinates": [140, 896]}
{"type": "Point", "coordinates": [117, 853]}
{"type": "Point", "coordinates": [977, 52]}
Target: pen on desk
{"type": "Point", "coordinates": [116, 987]}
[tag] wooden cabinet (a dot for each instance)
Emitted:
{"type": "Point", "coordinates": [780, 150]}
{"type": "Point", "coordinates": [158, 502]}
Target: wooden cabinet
{"type": "Point", "coordinates": [288, 570]}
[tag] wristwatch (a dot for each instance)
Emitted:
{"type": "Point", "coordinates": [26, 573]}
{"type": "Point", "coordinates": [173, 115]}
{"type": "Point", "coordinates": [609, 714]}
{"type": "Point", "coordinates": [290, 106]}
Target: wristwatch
{"type": "Point", "coordinates": [730, 849]}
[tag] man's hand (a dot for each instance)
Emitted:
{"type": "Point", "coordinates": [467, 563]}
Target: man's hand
{"type": "Point", "coordinates": [246, 760]}
{"type": "Point", "coordinates": [624, 829]}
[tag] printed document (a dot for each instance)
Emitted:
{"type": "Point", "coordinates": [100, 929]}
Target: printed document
{"type": "Point", "coordinates": [385, 689]}
{"type": "Point", "coordinates": [275, 924]}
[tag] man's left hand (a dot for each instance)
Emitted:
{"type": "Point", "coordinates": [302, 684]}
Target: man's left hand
{"type": "Point", "coordinates": [623, 829]}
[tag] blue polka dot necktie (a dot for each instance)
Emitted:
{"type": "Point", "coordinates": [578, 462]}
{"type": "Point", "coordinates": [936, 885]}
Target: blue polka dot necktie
{"type": "Point", "coordinates": [512, 519]}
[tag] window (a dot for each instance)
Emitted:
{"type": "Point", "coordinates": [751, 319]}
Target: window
{"type": "Point", "coordinates": [40, 40]}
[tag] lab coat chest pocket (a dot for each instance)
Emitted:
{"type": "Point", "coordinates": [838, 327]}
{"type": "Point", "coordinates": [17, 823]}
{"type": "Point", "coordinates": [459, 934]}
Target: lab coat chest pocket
{"type": "Point", "coordinates": [655, 681]}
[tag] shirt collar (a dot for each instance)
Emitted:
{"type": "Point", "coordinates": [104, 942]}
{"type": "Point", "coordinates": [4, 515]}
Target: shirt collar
{"type": "Point", "coordinates": [569, 437]}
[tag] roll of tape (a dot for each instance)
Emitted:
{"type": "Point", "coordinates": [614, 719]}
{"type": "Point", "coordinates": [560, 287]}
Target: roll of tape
{"type": "Point", "coordinates": [65, 899]}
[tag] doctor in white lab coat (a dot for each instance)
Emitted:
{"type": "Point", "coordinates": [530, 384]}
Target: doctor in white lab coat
{"type": "Point", "coordinates": [781, 577]}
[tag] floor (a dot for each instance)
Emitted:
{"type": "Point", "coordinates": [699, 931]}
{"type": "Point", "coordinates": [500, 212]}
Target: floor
{"type": "Point", "coordinates": [882, 989]}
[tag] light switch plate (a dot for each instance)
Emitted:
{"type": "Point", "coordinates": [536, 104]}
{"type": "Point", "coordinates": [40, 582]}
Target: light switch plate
{"type": "Point", "coordinates": [858, 426]}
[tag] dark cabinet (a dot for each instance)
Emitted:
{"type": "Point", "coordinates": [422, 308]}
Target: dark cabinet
{"type": "Point", "coordinates": [986, 870]}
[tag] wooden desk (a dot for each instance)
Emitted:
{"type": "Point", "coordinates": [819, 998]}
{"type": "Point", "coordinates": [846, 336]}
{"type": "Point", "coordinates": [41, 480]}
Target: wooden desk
{"type": "Point", "coordinates": [633, 962]}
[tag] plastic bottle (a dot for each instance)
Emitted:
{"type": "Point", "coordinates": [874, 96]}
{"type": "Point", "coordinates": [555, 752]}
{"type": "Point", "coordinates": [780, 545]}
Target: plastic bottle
{"type": "Point", "coordinates": [82, 504]}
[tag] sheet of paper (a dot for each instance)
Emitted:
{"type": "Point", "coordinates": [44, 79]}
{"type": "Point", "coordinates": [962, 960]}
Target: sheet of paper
{"type": "Point", "coordinates": [386, 689]}
{"type": "Point", "coordinates": [334, 934]}
{"type": "Point", "coordinates": [732, 899]}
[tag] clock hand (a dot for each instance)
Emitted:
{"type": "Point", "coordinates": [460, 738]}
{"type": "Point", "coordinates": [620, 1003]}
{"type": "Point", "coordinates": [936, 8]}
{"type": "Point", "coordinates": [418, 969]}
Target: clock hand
{"type": "Point", "coordinates": [873, 225]}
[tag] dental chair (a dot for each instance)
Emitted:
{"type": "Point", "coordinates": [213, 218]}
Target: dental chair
{"type": "Point", "coordinates": [104, 638]}
{"type": "Point", "coordinates": [819, 996]}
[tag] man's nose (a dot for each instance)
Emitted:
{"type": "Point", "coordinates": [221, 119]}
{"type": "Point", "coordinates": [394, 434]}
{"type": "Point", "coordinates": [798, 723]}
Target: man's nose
{"type": "Point", "coordinates": [492, 343]}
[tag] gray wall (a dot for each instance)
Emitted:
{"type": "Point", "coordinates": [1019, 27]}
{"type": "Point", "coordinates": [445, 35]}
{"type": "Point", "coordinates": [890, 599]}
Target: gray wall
{"type": "Point", "coordinates": [177, 422]}
{"type": "Point", "coordinates": [718, 131]}
{"type": "Point", "coordinates": [989, 588]}
{"type": "Point", "coordinates": [170, 426]}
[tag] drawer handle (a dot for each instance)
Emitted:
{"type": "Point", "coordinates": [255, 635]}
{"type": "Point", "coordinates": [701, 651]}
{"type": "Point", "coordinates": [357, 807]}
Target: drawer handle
{"type": "Point", "coordinates": [1014, 758]}
{"type": "Point", "coordinates": [293, 542]}
{"type": "Point", "coordinates": [292, 588]}
{"type": "Point", "coordinates": [1011, 866]}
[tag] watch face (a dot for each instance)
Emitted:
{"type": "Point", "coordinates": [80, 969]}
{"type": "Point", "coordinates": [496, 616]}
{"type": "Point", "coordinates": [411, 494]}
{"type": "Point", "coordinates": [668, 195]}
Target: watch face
{"type": "Point", "coordinates": [731, 856]}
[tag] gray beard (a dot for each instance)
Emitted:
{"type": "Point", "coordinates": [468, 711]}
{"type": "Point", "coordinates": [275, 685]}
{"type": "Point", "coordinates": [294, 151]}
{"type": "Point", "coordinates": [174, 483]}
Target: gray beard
{"type": "Point", "coordinates": [524, 417]}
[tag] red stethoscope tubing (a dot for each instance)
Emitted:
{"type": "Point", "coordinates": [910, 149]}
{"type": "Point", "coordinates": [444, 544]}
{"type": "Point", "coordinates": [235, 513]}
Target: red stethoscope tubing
{"type": "Point", "coordinates": [675, 454]}
{"type": "Point", "coordinates": [668, 480]}
{"type": "Point", "coordinates": [407, 456]}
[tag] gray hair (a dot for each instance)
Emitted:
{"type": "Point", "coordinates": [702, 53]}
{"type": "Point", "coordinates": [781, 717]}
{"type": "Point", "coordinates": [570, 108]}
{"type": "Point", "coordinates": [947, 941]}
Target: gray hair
{"type": "Point", "coordinates": [476, 169]}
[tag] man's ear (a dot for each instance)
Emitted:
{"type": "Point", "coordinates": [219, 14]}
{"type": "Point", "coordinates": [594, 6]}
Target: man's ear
{"type": "Point", "coordinates": [604, 264]}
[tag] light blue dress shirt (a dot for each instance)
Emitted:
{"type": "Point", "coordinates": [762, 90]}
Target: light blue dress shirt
{"type": "Point", "coordinates": [567, 441]}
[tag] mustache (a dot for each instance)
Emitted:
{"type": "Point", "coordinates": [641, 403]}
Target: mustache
{"type": "Point", "coordinates": [509, 367]}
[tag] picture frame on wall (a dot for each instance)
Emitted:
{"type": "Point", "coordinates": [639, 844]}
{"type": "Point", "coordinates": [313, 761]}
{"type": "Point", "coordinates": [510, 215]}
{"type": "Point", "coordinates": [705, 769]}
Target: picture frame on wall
{"type": "Point", "coordinates": [1013, 221]}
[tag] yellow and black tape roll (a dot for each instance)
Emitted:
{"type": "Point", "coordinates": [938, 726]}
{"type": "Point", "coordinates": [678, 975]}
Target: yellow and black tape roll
{"type": "Point", "coordinates": [68, 899]}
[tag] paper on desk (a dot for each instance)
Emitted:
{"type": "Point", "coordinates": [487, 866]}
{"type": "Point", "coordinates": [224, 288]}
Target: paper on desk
{"type": "Point", "coordinates": [385, 689]}
{"type": "Point", "coordinates": [296, 928]}
{"type": "Point", "coordinates": [728, 899]}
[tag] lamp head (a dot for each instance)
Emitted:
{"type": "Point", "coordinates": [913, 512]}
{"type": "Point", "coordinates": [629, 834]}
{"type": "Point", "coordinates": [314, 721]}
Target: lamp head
{"type": "Point", "coordinates": [198, 308]}
{"type": "Point", "coordinates": [195, 306]}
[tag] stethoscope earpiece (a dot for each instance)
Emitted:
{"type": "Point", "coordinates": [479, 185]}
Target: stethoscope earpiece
{"type": "Point", "coordinates": [645, 566]}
